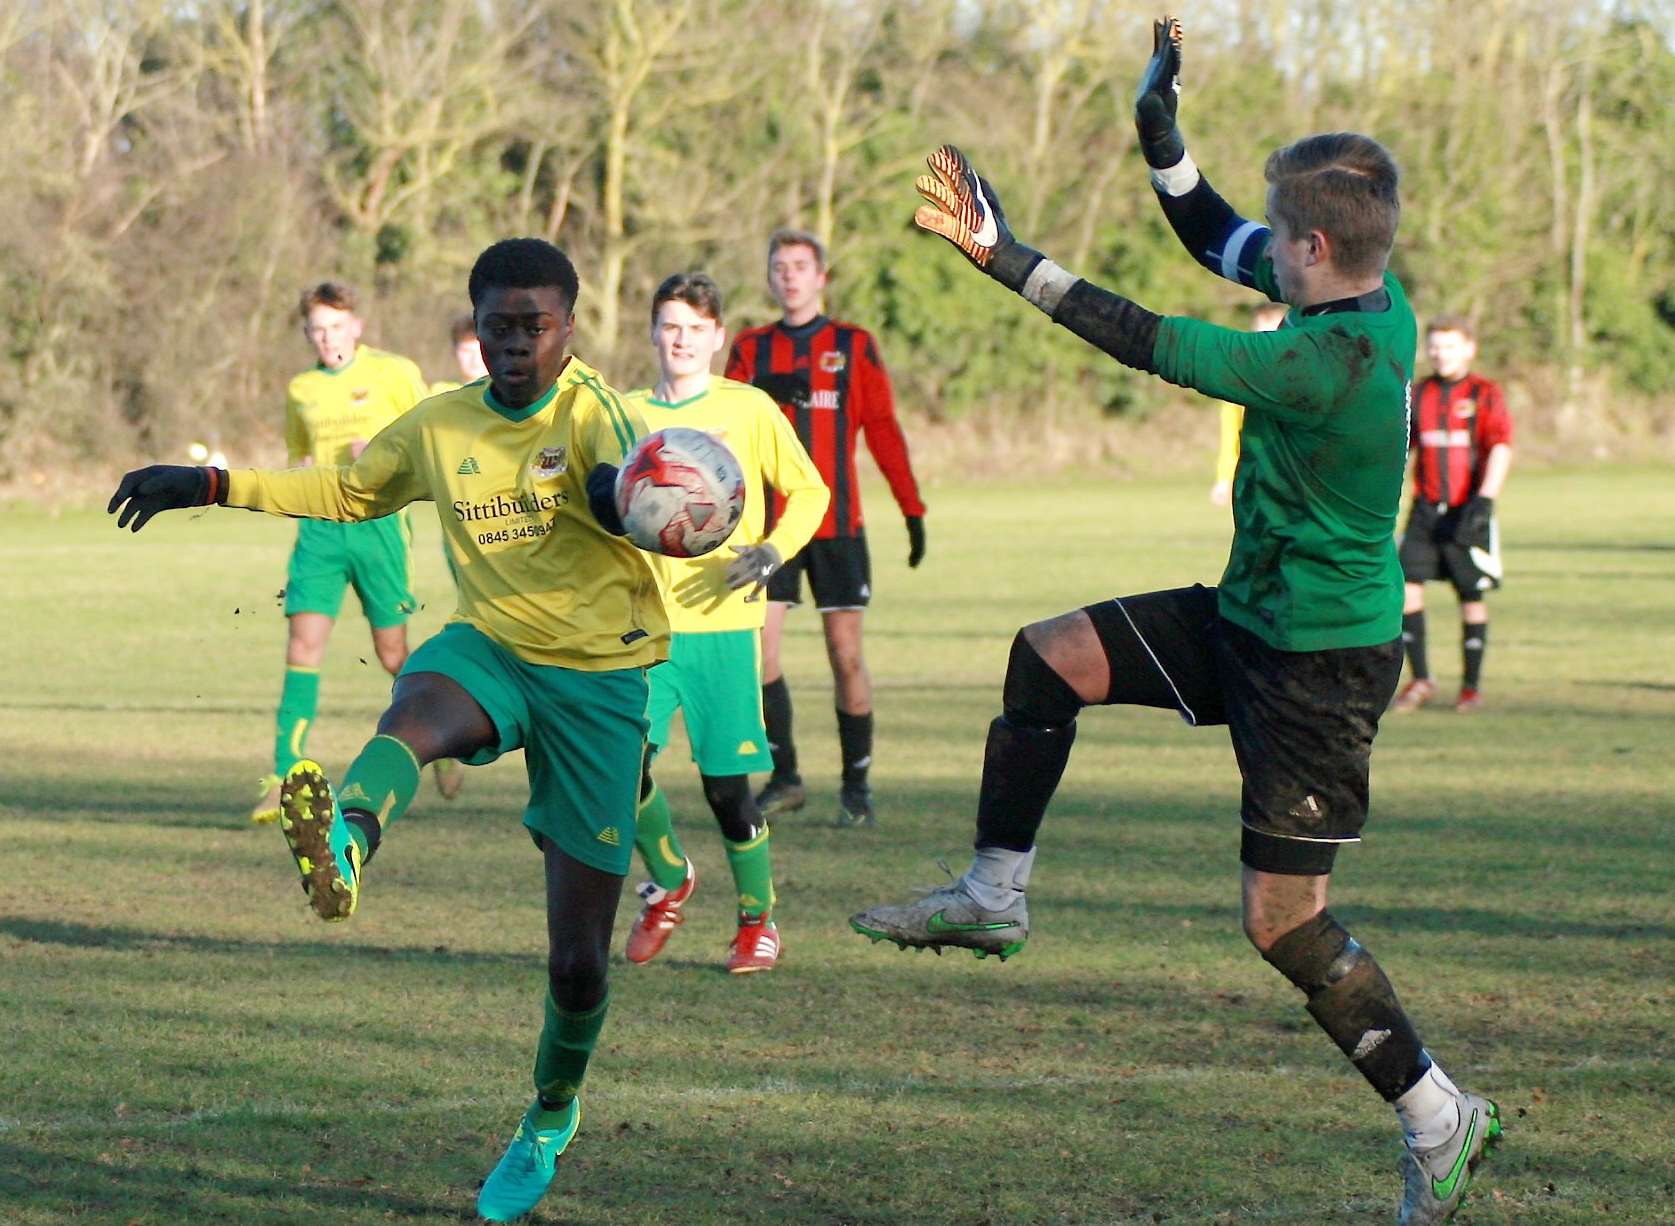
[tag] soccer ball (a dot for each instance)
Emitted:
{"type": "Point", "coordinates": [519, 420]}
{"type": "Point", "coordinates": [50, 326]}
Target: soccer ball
{"type": "Point", "coordinates": [680, 492]}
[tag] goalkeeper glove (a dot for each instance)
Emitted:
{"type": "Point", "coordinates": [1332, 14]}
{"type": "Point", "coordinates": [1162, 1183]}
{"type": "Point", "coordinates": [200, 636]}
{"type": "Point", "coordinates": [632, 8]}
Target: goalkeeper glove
{"type": "Point", "coordinates": [165, 487]}
{"type": "Point", "coordinates": [1156, 98]}
{"type": "Point", "coordinates": [755, 564]}
{"type": "Point", "coordinates": [601, 498]}
{"type": "Point", "coordinates": [915, 540]}
{"type": "Point", "coordinates": [791, 389]}
{"type": "Point", "coordinates": [1471, 523]}
{"type": "Point", "coordinates": [963, 209]}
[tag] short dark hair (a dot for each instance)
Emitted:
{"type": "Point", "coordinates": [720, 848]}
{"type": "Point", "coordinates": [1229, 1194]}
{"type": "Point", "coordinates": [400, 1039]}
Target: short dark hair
{"type": "Point", "coordinates": [1452, 323]}
{"type": "Point", "coordinates": [523, 263]}
{"type": "Point", "coordinates": [787, 237]}
{"type": "Point", "coordinates": [1344, 185]}
{"type": "Point", "coordinates": [696, 289]}
{"type": "Point", "coordinates": [335, 294]}
{"type": "Point", "coordinates": [463, 327]}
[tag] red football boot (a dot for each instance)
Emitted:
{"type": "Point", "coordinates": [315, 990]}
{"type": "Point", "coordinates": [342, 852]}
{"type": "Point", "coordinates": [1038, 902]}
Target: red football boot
{"type": "Point", "coordinates": [755, 946]}
{"type": "Point", "coordinates": [659, 916]}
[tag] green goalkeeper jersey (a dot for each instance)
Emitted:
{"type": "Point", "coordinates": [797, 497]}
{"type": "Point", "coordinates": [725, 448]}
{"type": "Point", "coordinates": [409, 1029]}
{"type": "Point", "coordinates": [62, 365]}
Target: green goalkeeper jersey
{"type": "Point", "coordinates": [534, 570]}
{"type": "Point", "coordinates": [1323, 452]}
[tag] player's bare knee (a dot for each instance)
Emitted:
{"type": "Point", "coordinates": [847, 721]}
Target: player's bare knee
{"type": "Point", "coordinates": [1071, 647]}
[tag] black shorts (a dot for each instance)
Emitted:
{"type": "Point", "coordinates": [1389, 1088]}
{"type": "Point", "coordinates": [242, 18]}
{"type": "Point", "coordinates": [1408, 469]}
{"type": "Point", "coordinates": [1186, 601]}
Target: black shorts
{"type": "Point", "coordinates": [839, 575]}
{"type": "Point", "coordinates": [1302, 722]}
{"type": "Point", "coordinates": [1429, 552]}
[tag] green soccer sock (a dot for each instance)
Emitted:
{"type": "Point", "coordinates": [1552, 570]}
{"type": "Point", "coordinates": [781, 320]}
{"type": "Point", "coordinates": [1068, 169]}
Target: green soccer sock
{"type": "Point", "coordinates": [753, 874]}
{"type": "Point", "coordinates": [381, 782]}
{"type": "Point", "coordinates": [567, 1041]}
{"type": "Point", "coordinates": [657, 843]}
{"type": "Point", "coordinates": [299, 698]}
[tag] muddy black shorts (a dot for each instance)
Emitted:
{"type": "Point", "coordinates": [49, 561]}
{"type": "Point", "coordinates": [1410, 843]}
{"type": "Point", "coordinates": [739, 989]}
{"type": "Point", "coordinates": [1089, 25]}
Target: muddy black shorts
{"type": "Point", "coordinates": [1302, 722]}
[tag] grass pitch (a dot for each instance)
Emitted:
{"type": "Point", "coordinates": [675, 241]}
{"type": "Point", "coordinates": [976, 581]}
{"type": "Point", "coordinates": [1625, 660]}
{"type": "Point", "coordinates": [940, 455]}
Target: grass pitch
{"type": "Point", "coordinates": [184, 1042]}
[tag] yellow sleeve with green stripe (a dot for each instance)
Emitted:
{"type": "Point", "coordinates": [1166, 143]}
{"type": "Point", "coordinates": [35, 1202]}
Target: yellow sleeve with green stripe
{"type": "Point", "coordinates": [608, 426]}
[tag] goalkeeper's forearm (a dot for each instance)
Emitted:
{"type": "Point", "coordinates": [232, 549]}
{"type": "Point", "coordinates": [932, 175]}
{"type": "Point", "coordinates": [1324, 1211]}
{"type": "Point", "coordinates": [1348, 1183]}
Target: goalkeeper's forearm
{"type": "Point", "coordinates": [1217, 237]}
{"type": "Point", "coordinates": [1122, 328]}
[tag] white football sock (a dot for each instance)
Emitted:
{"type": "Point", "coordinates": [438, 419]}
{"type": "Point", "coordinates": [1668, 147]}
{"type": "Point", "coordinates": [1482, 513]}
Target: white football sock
{"type": "Point", "coordinates": [1430, 1111]}
{"type": "Point", "coordinates": [997, 876]}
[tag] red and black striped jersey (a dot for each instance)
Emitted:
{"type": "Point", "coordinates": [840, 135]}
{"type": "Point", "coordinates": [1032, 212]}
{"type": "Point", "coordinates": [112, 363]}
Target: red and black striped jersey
{"type": "Point", "coordinates": [1454, 427]}
{"type": "Point", "coordinates": [829, 380]}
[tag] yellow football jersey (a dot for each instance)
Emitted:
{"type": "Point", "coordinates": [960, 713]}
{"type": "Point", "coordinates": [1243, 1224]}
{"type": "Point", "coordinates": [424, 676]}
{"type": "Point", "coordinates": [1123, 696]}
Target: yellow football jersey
{"type": "Point", "coordinates": [534, 570]}
{"type": "Point", "coordinates": [327, 410]}
{"type": "Point", "coordinates": [766, 444]}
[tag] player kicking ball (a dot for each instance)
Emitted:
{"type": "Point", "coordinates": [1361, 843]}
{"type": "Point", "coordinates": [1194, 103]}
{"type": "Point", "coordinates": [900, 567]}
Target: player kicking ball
{"type": "Point", "coordinates": [714, 673]}
{"type": "Point", "coordinates": [1299, 650]}
{"type": "Point", "coordinates": [557, 622]}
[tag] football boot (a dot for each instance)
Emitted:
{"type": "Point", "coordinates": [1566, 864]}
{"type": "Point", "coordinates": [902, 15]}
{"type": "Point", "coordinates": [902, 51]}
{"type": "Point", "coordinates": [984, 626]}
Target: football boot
{"type": "Point", "coordinates": [779, 796]}
{"type": "Point", "coordinates": [948, 916]}
{"type": "Point", "coordinates": [756, 946]}
{"type": "Point", "coordinates": [855, 807]}
{"type": "Point", "coordinates": [525, 1171]}
{"type": "Point", "coordinates": [266, 808]}
{"type": "Point", "coordinates": [659, 916]}
{"type": "Point", "coordinates": [1434, 1181]}
{"type": "Point", "coordinates": [327, 857]}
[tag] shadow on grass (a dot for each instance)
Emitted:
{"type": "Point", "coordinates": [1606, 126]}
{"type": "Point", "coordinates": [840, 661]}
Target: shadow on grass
{"type": "Point", "coordinates": [90, 936]}
{"type": "Point", "coordinates": [181, 1191]}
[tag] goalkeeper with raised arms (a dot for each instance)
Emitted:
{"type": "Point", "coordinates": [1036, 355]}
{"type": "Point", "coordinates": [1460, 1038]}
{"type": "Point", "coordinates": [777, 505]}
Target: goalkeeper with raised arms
{"type": "Point", "coordinates": [1298, 651]}
{"type": "Point", "coordinates": [558, 619]}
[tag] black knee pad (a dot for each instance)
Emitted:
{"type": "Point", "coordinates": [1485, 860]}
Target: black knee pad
{"type": "Point", "coordinates": [646, 784]}
{"type": "Point", "coordinates": [734, 808]}
{"type": "Point", "coordinates": [1035, 696]}
{"type": "Point", "coordinates": [1316, 954]}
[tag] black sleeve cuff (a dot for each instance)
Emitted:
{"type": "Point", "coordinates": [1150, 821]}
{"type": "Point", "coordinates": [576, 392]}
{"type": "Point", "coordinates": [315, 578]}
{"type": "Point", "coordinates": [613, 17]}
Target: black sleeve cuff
{"type": "Point", "coordinates": [1012, 265]}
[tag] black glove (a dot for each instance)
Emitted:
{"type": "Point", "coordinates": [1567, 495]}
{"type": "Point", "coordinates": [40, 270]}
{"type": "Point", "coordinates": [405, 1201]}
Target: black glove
{"type": "Point", "coordinates": [754, 564]}
{"type": "Point", "coordinates": [1471, 523]}
{"type": "Point", "coordinates": [1156, 96]}
{"type": "Point", "coordinates": [915, 540]}
{"type": "Point", "coordinates": [791, 389]}
{"type": "Point", "coordinates": [165, 487]}
{"type": "Point", "coordinates": [963, 209]}
{"type": "Point", "coordinates": [601, 498]}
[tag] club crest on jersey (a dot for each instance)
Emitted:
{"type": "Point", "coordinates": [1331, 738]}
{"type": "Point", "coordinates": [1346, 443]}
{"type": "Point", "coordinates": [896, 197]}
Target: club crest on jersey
{"type": "Point", "coordinates": [550, 463]}
{"type": "Point", "coordinates": [361, 395]}
{"type": "Point", "coordinates": [1466, 408]}
{"type": "Point", "coordinates": [833, 361]}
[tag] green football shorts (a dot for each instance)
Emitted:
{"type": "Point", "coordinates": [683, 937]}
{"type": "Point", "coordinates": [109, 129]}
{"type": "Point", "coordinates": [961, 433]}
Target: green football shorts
{"type": "Point", "coordinates": [582, 736]}
{"type": "Point", "coordinates": [373, 556]}
{"type": "Point", "coordinates": [715, 678]}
